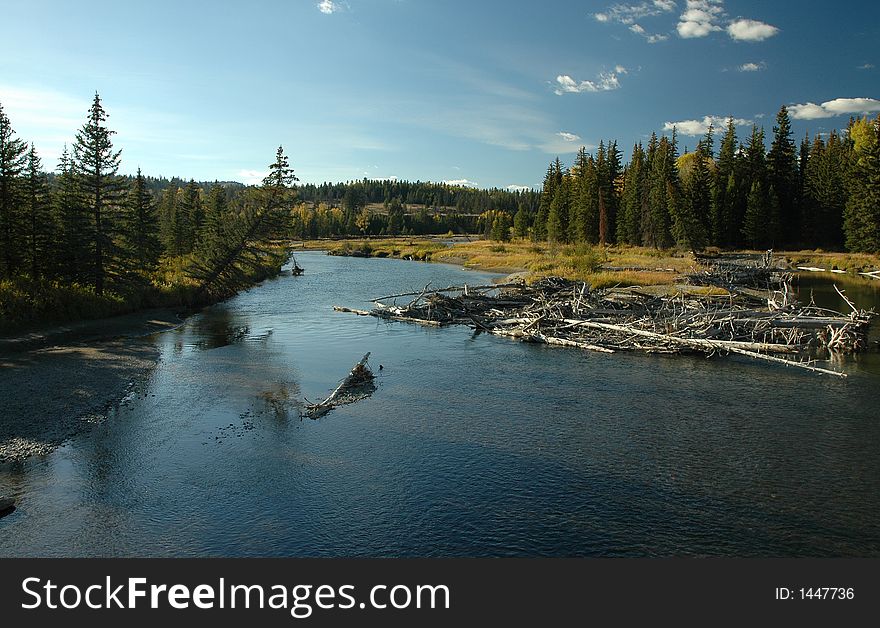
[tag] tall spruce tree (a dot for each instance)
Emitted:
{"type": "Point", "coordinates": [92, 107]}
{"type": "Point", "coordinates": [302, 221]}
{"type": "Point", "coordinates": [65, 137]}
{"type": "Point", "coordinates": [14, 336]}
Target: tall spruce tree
{"type": "Point", "coordinates": [722, 220]}
{"type": "Point", "coordinates": [140, 228]}
{"type": "Point", "coordinates": [97, 165]}
{"type": "Point", "coordinates": [39, 227]}
{"type": "Point", "coordinates": [783, 175]}
{"type": "Point", "coordinates": [190, 215]}
{"type": "Point", "coordinates": [74, 223]}
{"type": "Point", "coordinates": [629, 222]}
{"type": "Point", "coordinates": [13, 159]}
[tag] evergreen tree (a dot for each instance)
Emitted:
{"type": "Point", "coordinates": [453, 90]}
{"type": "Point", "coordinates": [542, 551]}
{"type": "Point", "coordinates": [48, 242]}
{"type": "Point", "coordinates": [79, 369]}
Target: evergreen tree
{"type": "Point", "coordinates": [39, 226]}
{"type": "Point", "coordinates": [173, 223]}
{"type": "Point", "coordinates": [140, 228]}
{"type": "Point", "coordinates": [521, 221]}
{"type": "Point", "coordinates": [395, 217]}
{"type": "Point", "coordinates": [190, 215]}
{"type": "Point", "coordinates": [629, 223]}
{"type": "Point", "coordinates": [13, 159]}
{"type": "Point", "coordinates": [223, 267]}
{"type": "Point", "coordinates": [74, 233]}
{"type": "Point", "coordinates": [96, 169]}
{"type": "Point", "coordinates": [656, 221]}
{"type": "Point", "coordinates": [557, 219]}
{"type": "Point", "coordinates": [783, 175]}
{"type": "Point", "coordinates": [722, 220]}
{"type": "Point", "coordinates": [216, 209]}
{"type": "Point", "coordinates": [552, 180]}
{"type": "Point", "coordinates": [583, 205]}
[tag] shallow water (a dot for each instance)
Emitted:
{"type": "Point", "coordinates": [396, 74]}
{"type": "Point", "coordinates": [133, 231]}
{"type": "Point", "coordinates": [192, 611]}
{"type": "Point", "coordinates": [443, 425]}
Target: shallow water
{"type": "Point", "coordinates": [472, 445]}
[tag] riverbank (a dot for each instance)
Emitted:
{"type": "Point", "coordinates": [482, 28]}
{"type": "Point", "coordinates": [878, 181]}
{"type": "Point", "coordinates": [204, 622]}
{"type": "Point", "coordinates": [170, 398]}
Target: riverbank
{"type": "Point", "coordinates": [601, 267]}
{"type": "Point", "coordinates": [58, 381]}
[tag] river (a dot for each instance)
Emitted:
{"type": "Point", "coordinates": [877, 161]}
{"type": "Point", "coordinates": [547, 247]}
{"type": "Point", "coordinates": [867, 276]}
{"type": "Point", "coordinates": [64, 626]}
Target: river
{"type": "Point", "coordinates": [472, 445]}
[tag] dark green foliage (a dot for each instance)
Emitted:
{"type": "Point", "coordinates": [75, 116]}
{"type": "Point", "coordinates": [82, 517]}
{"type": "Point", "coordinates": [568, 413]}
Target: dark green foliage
{"type": "Point", "coordinates": [629, 220]}
{"type": "Point", "coordinates": [74, 224]}
{"type": "Point", "coordinates": [140, 228]}
{"type": "Point", "coordinates": [190, 215]}
{"type": "Point", "coordinates": [224, 264]}
{"type": "Point", "coordinates": [38, 225]}
{"type": "Point", "coordinates": [96, 169]}
{"type": "Point", "coordinates": [557, 218]}
{"type": "Point", "coordinates": [783, 175]}
{"type": "Point", "coordinates": [13, 158]}
{"type": "Point", "coordinates": [521, 221]}
{"type": "Point", "coordinates": [395, 217]}
{"type": "Point", "coordinates": [723, 219]}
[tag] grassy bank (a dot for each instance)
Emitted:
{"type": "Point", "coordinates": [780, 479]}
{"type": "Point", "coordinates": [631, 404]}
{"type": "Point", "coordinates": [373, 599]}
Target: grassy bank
{"type": "Point", "coordinates": [600, 266]}
{"type": "Point", "coordinates": [25, 304]}
{"type": "Point", "coordinates": [610, 266]}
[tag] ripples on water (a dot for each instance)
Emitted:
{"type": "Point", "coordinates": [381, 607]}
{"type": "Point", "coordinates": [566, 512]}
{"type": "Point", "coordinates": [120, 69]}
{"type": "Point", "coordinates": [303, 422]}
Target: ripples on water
{"type": "Point", "coordinates": [472, 445]}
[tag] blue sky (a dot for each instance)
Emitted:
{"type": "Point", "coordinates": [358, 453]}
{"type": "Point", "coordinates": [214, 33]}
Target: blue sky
{"type": "Point", "coordinates": [483, 93]}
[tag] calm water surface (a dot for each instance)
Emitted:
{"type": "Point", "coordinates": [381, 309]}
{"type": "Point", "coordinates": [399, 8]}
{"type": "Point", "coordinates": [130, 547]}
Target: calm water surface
{"type": "Point", "coordinates": [472, 445]}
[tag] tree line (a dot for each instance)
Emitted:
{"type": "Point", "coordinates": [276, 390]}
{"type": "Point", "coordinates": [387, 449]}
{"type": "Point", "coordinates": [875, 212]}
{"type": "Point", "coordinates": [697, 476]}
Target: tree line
{"type": "Point", "coordinates": [87, 226]}
{"type": "Point", "coordinates": [823, 193]}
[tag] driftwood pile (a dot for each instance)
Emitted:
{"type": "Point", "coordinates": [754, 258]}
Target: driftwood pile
{"type": "Point", "coordinates": [758, 316]}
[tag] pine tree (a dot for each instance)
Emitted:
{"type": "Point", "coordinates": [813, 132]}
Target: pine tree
{"type": "Point", "coordinates": [74, 223]}
{"type": "Point", "coordinates": [783, 175]}
{"type": "Point", "coordinates": [755, 219]}
{"type": "Point", "coordinates": [552, 180]}
{"type": "Point", "coordinates": [13, 158]}
{"type": "Point", "coordinates": [140, 228]}
{"type": "Point", "coordinates": [39, 227]}
{"type": "Point", "coordinates": [395, 217]}
{"type": "Point", "coordinates": [656, 220]}
{"type": "Point", "coordinates": [723, 228]}
{"type": "Point", "coordinates": [629, 223]}
{"type": "Point", "coordinates": [558, 217]}
{"type": "Point", "coordinates": [173, 223]}
{"type": "Point", "coordinates": [583, 206]}
{"type": "Point", "coordinates": [96, 168]}
{"type": "Point", "coordinates": [216, 209]}
{"type": "Point", "coordinates": [521, 221]}
{"type": "Point", "coordinates": [190, 215]}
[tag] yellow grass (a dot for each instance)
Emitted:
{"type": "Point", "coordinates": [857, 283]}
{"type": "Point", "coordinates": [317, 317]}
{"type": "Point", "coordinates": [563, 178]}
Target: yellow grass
{"type": "Point", "coordinates": [601, 267]}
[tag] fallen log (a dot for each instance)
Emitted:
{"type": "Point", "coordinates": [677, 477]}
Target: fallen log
{"type": "Point", "coordinates": [358, 384]}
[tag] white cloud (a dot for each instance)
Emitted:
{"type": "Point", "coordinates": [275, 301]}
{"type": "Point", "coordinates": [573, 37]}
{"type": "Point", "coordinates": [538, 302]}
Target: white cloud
{"type": "Point", "coordinates": [651, 38]}
{"type": "Point", "coordinates": [752, 67]}
{"type": "Point", "coordinates": [465, 183]}
{"type": "Point", "coordinates": [866, 66]}
{"type": "Point", "coordinates": [832, 108]}
{"type": "Point", "coordinates": [750, 30]}
{"type": "Point", "coordinates": [517, 188]}
{"type": "Point", "coordinates": [606, 81]}
{"type": "Point", "coordinates": [252, 177]}
{"type": "Point", "coordinates": [327, 7]}
{"type": "Point", "coordinates": [700, 18]}
{"type": "Point", "coordinates": [568, 137]}
{"type": "Point", "coordinates": [701, 127]}
{"type": "Point", "coordinates": [629, 13]}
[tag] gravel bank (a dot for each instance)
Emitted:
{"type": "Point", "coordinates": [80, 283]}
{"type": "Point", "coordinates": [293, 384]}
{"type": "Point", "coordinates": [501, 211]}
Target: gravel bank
{"type": "Point", "coordinates": [55, 383]}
